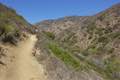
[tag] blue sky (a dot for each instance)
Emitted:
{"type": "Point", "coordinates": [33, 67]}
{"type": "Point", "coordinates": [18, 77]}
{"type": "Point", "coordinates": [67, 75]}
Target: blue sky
{"type": "Point", "coordinates": [38, 10]}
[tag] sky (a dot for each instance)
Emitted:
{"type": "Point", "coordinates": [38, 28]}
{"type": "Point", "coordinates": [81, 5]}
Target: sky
{"type": "Point", "coordinates": [37, 10]}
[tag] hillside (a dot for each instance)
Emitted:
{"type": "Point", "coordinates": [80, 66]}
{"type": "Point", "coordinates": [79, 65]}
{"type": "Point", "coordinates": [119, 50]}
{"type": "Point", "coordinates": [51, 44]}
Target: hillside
{"type": "Point", "coordinates": [85, 42]}
{"type": "Point", "coordinates": [68, 48]}
{"type": "Point", "coordinates": [17, 45]}
{"type": "Point", "coordinates": [11, 24]}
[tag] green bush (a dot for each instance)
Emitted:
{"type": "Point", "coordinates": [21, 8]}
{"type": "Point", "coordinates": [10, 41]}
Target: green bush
{"type": "Point", "coordinates": [112, 66]}
{"type": "Point", "coordinates": [7, 28]}
{"type": "Point", "coordinates": [93, 50]}
{"type": "Point", "coordinates": [64, 56]}
{"type": "Point", "coordinates": [91, 28]}
{"type": "Point", "coordinates": [49, 34]}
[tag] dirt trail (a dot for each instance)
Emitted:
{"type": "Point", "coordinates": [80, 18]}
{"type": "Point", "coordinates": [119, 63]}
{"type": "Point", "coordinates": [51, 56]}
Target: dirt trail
{"type": "Point", "coordinates": [24, 65]}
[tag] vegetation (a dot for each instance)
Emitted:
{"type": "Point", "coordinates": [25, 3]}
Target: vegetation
{"type": "Point", "coordinates": [11, 24]}
{"type": "Point", "coordinates": [49, 34]}
{"type": "Point", "coordinates": [64, 55]}
{"type": "Point", "coordinates": [7, 28]}
{"type": "Point", "coordinates": [113, 66]}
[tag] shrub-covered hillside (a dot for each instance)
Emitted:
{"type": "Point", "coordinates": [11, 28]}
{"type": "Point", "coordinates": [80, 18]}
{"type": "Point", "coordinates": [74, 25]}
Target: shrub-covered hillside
{"type": "Point", "coordinates": [93, 40]}
{"type": "Point", "coordinates": [11, 24]}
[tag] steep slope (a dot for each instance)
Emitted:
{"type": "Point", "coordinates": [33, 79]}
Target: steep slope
{"type": "Point", "coordinates": [13, 29]}
{"type": "Point", "coordinates": [93, 40]}
{"type": "Point", "coordinates": [17, 61]}
{"type": "Point", "coordinates": [11, 24]}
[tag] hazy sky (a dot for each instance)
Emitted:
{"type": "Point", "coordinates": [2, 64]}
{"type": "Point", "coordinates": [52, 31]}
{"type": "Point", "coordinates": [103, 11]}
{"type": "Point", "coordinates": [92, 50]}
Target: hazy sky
{"type": "Point", "coordinates": [37, 10]}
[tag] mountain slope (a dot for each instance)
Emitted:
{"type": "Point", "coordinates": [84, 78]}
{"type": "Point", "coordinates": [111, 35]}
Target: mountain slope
{"type": "Point", "coordinates": [93, 40]}
{"type": "Point", "coordinates": [69, 48]}
{"type": "Point", "coordinates": [11, 24]}
{"type": "Point", "coordinates": [17, 61]}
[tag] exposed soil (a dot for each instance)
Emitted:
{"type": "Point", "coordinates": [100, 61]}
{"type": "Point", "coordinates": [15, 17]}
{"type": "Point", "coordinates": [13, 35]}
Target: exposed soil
{"type": "Point", "coordinates": [23, 65]}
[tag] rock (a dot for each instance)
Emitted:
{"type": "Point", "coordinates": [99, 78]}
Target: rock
{"type": "Point", "coordinates": [2, 63]}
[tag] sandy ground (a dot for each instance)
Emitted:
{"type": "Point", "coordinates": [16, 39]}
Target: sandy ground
{"type": "Point", "coordinates": [24, 66]}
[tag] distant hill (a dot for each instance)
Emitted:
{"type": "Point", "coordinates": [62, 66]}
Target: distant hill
{"type": "Point", "coordinates": [94, 40]}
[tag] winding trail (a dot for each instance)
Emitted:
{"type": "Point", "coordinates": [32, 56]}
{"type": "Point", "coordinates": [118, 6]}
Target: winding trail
{"type": "Point", "coordinates": [24, 65]}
